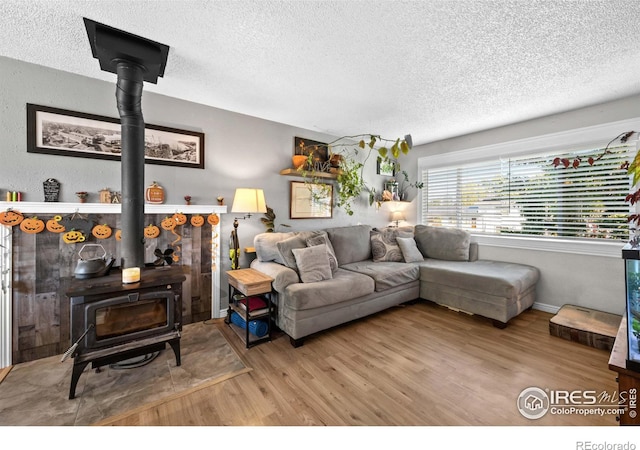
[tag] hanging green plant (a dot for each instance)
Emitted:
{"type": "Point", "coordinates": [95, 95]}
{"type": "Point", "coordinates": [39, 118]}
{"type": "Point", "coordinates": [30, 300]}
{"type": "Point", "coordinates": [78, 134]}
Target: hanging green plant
{"type": "Point", "coordinates": [350, 183]}
{"type": "Point", "coordinates": [350, 174]}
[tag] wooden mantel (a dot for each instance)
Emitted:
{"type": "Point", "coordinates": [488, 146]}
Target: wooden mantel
{"type": "Point", "coordinates": [107, 208]}
{"type": "Point", "coordinates": [53, 208]}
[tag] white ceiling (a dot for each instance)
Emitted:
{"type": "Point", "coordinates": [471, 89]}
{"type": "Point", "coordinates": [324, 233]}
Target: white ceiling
{"type": "Point", "coordinates": [431, 68]}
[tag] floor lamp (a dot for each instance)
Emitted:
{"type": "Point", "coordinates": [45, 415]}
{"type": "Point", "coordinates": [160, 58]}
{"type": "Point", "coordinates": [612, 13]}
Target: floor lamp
{"type": "Point", "coordinates": [248, 201]}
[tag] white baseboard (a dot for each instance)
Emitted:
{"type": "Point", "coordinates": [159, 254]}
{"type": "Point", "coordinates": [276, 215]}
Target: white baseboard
{"type": "Point", "coordinates": [553, 309]}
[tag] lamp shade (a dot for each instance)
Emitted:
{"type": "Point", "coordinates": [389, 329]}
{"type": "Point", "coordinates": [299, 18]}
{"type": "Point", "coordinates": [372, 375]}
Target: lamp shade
{"type": "Point", "coordinates": [248, 200]}
{"type": "Point", "coordinates": [396, 216]}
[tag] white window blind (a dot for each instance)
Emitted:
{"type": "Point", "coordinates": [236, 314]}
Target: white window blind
{"type": "Point", "coordinates": [527, 195]}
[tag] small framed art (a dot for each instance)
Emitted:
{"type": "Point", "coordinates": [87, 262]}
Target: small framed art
{"type": "Point", "coordinates": [311, 200]}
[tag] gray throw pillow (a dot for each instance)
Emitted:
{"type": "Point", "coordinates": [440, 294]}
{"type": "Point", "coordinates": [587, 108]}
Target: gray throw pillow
{"type": "Point", "coordinates": [450, 244]}
{"type": "Point", "coordinates": [285, 248]}
{"type": "Point", "coordinates": [313, 263]}
{"type": "Point", "coordinates": [384, 246]}
{"type": "Point", "coordinates": [406, 231]}
{"type": "Point", "coordinates": [409, 250]}
{"type": "Point", "coordinates": [351, 243]}
{"type": "Point", "coordinates": [324, 239]}
{"type": "Point", "coordinates": [265, 245]}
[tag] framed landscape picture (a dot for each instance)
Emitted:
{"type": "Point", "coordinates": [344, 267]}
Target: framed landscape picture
{"type": "Point", "coordinates": [311, 200]}
{"type": "Point", "coordinates": [57, 131]}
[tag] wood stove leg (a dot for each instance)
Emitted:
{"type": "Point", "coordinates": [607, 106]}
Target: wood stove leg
{"type": "Point", "coordinates": [78, 368]}
{"type": "Point", "coordinates": [175, 345]}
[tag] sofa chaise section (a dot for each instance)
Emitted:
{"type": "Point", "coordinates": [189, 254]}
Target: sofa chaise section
{"type": "Point", "coordinates": [493, 289]}
{"type": "Point", "coordinates": [453, 276]}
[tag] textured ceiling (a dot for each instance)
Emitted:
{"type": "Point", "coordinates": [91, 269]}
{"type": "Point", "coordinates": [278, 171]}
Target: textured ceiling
{"type": "Point", "coordinates": [434, 69]}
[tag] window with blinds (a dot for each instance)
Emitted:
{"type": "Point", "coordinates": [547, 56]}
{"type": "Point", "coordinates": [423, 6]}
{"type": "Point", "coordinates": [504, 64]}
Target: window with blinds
{"type": "Point", "coordinates": [527, 195]}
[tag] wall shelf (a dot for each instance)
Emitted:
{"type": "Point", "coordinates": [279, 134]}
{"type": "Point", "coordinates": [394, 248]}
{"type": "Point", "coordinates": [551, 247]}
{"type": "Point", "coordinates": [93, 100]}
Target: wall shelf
{"type": "Point", "coordinates": [295, 173]}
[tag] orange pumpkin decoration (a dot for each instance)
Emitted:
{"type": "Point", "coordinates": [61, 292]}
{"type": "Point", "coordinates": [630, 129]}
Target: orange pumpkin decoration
{"type": "Point", "coordinates": [32, 225]}
{"type": "Point", "coordinates": [180, 218]}
{"type": "Point", "coordinates": [154, 193]}
{"type": "Point", "coordinates": [11, 217]}
{"type": "Point", "coordinates": [73, 237]}
{"type": "Point", "coordinates": [168, 223]}
{"type": "Point", "coordinates": [197, 220]}
{"type": "Point", "coordinates": [118, 235]}
{"type": "Point", "coordinates": [151, 231]}
{"type": "Point", "coordinates": [54, 225]}
{"type": "Point", "coordinates": [103, 231]}
{"type": "Point", "coordinates": [213, 219]}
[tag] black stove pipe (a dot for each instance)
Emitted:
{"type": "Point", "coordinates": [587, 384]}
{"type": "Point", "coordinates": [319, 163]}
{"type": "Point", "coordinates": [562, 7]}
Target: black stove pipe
{"type": "Point", "coordinates": [129, 98]}
{"type": "Point", "coordinates": [134, 59]}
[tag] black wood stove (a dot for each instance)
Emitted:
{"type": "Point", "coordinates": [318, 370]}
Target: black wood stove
{"type": "Point", "coordinates": [113, 322]}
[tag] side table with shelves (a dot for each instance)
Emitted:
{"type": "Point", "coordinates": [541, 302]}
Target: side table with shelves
{"type": "Point", "coordinates": [245, 283]}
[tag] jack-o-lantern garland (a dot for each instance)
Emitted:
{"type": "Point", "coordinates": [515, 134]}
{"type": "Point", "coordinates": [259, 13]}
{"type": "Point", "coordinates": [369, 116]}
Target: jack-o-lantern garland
{"type": "Point", "coordinates": [213, 219]}
{"type": "Point", "coordinates": [54, 225]}
{"type": "Point", "coordinates": [73, 237]}
{"type": "Point", "coordinates": [168, 223]}
{"type": "Point", "coordinates": [33, 225]}
{"type": "Point", "coordinates": [102, 231]}
{"type": "Point", "coordinates": [180, 218]}
{"type": "Point", "coordinates": [151, 231]}
{"type": "Point", "coordinates": [197, 220]}
{"type": "Point", "coordinates": [11, 218]}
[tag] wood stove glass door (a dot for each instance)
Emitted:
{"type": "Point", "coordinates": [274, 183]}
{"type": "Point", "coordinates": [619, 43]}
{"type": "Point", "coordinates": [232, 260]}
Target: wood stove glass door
{"type": "Point", "coordinates": [134, 316]}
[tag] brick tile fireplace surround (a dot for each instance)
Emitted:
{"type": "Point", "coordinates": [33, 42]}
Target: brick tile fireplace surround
{"type": "Point", "coordinates": [36, 271]}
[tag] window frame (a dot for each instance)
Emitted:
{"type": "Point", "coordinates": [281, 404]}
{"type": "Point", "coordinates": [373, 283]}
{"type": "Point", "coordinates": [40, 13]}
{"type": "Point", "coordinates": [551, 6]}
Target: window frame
{"type": "Point", "coordinates": [560, 143]}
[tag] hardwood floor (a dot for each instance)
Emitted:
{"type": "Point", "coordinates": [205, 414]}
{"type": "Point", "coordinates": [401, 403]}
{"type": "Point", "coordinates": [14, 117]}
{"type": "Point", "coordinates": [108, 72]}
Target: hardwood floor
{"type": "Point", "coordinates": [419, 364]}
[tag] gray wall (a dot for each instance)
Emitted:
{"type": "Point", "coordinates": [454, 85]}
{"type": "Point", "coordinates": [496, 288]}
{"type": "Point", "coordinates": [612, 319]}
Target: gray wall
{"type": "Point", "coordinates": [590, 281]}
{"type": "Point", "coordinates": [240, 151]}
{"type": "Point", "coordinates": [243, 151]}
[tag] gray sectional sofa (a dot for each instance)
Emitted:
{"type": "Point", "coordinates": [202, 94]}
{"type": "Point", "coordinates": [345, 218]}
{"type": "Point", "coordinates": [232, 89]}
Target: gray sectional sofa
{"type": "Point", "coordinates": [328, 277]}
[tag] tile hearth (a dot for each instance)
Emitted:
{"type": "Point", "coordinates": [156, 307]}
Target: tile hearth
{"type": "Point", "coordinates": [36, 393]}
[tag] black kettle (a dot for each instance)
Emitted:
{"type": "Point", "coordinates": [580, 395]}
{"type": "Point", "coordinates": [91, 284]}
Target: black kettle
{"type": "Point", "coordinates": [92, 264]}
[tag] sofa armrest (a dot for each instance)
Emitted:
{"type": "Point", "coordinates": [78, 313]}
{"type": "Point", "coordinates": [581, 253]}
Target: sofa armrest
{"type": "Point", "coordinates": [282, 276]}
